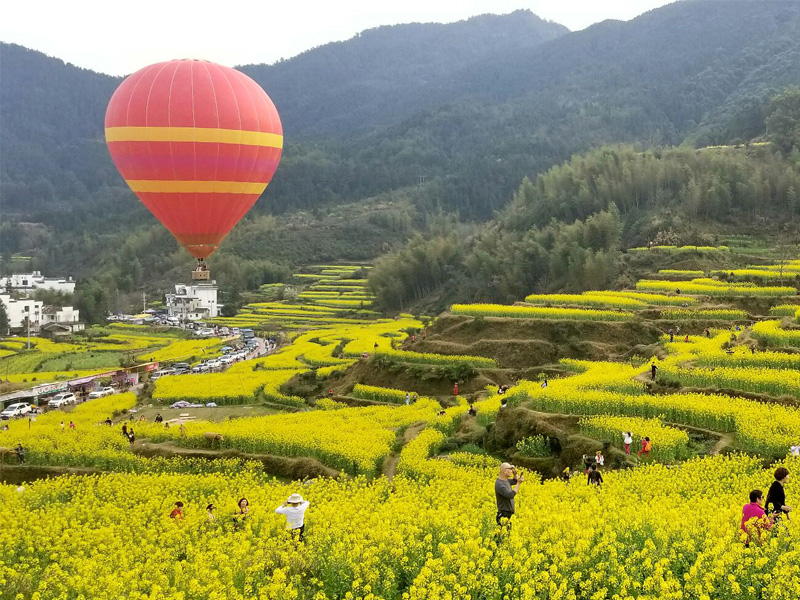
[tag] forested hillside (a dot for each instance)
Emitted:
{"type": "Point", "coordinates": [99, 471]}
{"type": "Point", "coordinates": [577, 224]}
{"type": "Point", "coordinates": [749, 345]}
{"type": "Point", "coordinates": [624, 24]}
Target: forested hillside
{"type": "Point", "coordinates": [567, 230]}
{"type": "Point", "coordinates": [426, 125]}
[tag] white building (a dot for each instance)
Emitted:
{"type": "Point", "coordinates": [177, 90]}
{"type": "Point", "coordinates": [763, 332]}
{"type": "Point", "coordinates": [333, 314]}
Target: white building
{"type": "Point", "coordinates": [193, 302]}
{"type": "Point", "coordinates": [18, 310]}
{"type": "Point", "coordinates": [67, 316]}
{"type": "Point", "coordinates": [27, 282]}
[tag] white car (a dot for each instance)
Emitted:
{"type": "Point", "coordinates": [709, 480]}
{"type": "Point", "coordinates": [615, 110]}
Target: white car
{"type": "Point", "coordinates": [60, 400]}
{"type": "Point", "coordinates": [204, 332]}
{"type": "Point", "coordinates": [103, 391]}
{"type": "Point", "coordinates": [161, 373]}
{"type": "Point", "coordinates": [228, 359]}
{"type": "Point", "coordinates": [214, 363]}
{"type": "Point", "coordinates": [16, 410]}
{"type": "Point", "coordinates": [201, 368]}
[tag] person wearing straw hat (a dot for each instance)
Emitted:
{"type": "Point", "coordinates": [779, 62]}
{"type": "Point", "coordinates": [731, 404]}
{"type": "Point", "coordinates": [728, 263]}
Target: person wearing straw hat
{"type": "Point", "coordinates": [504, 492]}
{"type": "Point", "coordinates": [294, 509]}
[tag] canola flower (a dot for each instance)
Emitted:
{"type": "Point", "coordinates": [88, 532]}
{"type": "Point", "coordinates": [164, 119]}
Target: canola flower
{"type": "Point", "coordinates": [772, 333]}
{"type": "Point", "coordinates": [649, 298]}
{"type": "Point", "coordinates": [434, 359]}
{"type": "Point", "coordinates": [381, 394]}
{"type": "Point", "coordinates": [533, 312]}
{"type": "Point", "coordinates": [748, 378]}
{"type": "Point", "coordinates": [680, 249]}
{"type": "Point", "coordinates": [586, 300]}
{"type": "Point", "coordinates": [230, 387]}
{"type": "Point", "coordinates": [716, 314]}
{"type": "Point", "coordinates": [784, 310]}
{"type": "Point", "coordinates": [707, 287]}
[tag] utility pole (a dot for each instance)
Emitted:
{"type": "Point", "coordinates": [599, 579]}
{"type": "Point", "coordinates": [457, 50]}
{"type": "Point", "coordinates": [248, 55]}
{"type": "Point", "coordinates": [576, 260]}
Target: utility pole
{"type": "Point", "coordinates": [144, 301]}
{"type": "Point", "coordinates": [28, 323]}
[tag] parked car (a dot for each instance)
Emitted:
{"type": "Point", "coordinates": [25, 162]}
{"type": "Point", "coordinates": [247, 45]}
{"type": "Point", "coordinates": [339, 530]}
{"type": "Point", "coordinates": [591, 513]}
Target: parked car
{"type": "Point", "coordinates": [100, 393]}
{"type": "Point", "coordinates": [214, 363]}
{"type": "Point", "coordinates": [16, 410]}
{"type": "Point", "coordinates": [201, 368]}
{"type": "Point", "coordinates": [226, 349]}
{"type": "Point", "coordinates": [62, 399]}
{"type": "Point", "coordinates": [162, 373]}
{"type": "Point", "coordinates": [182, 371]}
{"type": "Point", "coordinates": [204, 332]}
{"type": "Point", "coordinates": [235, 331]}
{"type": "Point", "coordinates": [227, 359]}
{"type": "Point", "coordinates": [181, 365]}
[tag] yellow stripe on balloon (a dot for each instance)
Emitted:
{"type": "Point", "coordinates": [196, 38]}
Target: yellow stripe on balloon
{"type": "Point", "coordinates": [157, 186]}
{"type": "Point", "coordinates": [194, 134]}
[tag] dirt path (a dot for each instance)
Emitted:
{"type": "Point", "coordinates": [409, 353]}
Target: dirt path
{"type": "Point", "coordinates": [726, 440]}
{"type": "Point", "coordinates": [390, 462]}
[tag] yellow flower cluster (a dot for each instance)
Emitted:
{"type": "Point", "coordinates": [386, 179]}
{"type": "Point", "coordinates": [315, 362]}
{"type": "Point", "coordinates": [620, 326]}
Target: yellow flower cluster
{"type": "Point", "coordinates": [708, 287]}
{"type": "Point", "coordinates": [648, 297]}
{"type": "Point", "coordinates": [586, 300]}
{"type": "Point", "coordinates": [381, 394]}
{"type": "Point", "coordinates": [772, 333]}
{"type": "Point", "coordinates": [435, 359]}
{"type": "Point", "coordinates": [230, 387]}
{"type": "Point", "coordinates": [533, 312]}
{"type": "Point", "coordinates": [679, 249]}
{"type": "Point", "coordinates": [716, 314]}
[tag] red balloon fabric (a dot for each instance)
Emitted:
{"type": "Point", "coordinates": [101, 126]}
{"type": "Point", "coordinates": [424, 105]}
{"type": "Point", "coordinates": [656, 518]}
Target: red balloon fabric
{"type": "Point", "coordinates": [197, 143]}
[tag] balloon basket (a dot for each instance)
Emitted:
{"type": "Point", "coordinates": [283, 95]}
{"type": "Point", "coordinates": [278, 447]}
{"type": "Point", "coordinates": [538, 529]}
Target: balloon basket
{"type": "Point", "coordinates": [201, 275]}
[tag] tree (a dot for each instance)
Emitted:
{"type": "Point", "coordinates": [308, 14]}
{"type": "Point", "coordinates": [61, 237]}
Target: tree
{"type": "Point", "coordinates": [783, 121]}
{"type": "Point", "coordinates": [3, 320]}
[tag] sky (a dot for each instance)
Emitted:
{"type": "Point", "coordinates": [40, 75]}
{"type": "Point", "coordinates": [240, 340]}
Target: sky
{"type": "Point", "coordinates": [118, 37]}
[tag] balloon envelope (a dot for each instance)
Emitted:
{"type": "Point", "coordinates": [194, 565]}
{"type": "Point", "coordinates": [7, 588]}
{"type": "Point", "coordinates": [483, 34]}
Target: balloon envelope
{"type": "Point", "coordinates": [197, 143]}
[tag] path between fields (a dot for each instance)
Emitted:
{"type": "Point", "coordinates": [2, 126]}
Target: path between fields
{"type": "Point", "coordinates": [390, 462]}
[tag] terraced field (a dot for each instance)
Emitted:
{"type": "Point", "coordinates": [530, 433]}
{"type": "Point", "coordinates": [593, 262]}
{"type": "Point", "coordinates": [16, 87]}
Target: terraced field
{"type": "Point", "coordinates": [401, 502]}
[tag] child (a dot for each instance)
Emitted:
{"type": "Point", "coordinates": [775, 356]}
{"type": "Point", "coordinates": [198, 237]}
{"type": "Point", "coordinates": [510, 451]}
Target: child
{"type": "Point", "coordinates": [628, 440]}
{"type": "Point", "coordinates": [646, 447]}
{"type": "Point", "coordinates": [177, 512]}
{"type": "Point", "coordinates": [599, 459]}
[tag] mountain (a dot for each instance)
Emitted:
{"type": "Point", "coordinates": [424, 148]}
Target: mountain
{"type": "Point", "coordinates": [421, 120]}
{"type": "Point", "coordinates": [387, 73]}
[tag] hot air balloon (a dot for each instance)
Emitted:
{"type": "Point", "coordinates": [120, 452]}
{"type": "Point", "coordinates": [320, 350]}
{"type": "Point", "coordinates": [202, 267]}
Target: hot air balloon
{"type": "Point", "coordinates": [197, 143]}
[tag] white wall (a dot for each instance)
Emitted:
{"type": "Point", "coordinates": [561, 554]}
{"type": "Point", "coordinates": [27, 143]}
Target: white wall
{"type": "Point", "coordinates": [17, 310]}
{"type": "Point", "coordinates": [36, 281]}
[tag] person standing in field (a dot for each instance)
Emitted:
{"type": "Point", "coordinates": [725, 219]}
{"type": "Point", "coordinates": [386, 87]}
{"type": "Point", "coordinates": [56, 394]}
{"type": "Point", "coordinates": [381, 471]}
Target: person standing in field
{"type": "Point", "coordinates": [776, 496]}
{"type": "Point", "coordinates": [599, 459]}
{"type": "Point", "coordinates": [646, 447]}
{"type": "Point", "coordinates": [671, 335]}
{"type": "Point", "coordinates": [455, 389]}
{"type": "Point", "coordinates": [595, 476]}
{"type": "Point", "coordinates": [754, 519]}
{"type": "Point", "coordinates": [244, 512]}
{"type": "Point", "coordinates": [627, 439]}
{"type": "Point", "coordinates": [506, 487]}
{"type": "Point", "coordinates": [653, 369]}
{"type": "Point", "coordinates": [125, 429]}
{"type": "Point", "coordinates": [408, 398]}
{"type": "Point", "coordinates": [294, 509]}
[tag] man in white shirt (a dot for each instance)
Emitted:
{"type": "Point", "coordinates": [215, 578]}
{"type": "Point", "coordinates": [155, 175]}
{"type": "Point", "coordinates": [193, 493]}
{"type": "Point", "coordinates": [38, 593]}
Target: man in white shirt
{"type": "Point", "coordinates": [294, 509]}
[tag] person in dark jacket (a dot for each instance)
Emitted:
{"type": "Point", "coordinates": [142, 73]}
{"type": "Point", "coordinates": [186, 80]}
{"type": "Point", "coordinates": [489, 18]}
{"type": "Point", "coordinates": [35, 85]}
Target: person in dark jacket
{"type": "Point", "coordinates": [776, 496]}
{"type": "Point", "coordinates": [595, 477]}
{"type": "Point", "coordinates": [506, 487]}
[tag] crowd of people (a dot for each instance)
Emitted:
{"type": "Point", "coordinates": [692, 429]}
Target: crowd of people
{"type": "Point", "coordinates": [758, 515]}
{"type": "Point", "coordinates": [293, 509]}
